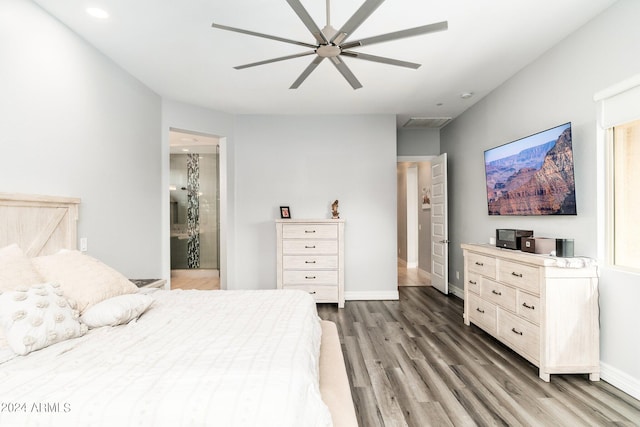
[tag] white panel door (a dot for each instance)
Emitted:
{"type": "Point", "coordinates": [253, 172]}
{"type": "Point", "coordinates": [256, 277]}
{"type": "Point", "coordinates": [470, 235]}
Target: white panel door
{"type": "Point", "coordinates": [439, 229]}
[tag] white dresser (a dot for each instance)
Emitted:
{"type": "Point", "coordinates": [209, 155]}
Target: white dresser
{"type": "Point", "coordinates": [310, 257]}
{"type": "Point", "coordinates": [544, 308]}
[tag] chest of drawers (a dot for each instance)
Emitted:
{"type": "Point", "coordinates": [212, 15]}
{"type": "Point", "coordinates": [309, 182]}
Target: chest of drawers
{"type": "Point", "coordinates": [310, 256]}
{"type": "Point", "coordinates": [544, 308]}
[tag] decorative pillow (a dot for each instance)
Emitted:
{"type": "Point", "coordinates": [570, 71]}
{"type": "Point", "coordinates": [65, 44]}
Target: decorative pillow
{"type": "Point", "coordinates": [116, 311]}
{"type": "Point", "coordinates": [37, 317]}
{"type": "Point", "coordinates": [83, 279]}
{"type": "Point", "coordinates": [16, 269]}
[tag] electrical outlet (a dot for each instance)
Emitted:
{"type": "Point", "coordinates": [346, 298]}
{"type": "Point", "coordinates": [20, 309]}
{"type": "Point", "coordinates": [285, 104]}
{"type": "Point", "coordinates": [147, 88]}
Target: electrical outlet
{"type": "Point", "coordinates": [83, 244]}
{"type": "Point", "coordinates": [457, 275]}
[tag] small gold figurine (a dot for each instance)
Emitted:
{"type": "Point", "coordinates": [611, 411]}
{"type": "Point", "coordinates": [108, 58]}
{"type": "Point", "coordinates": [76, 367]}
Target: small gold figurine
{"type": "Point", "coordinates": [334, 210]}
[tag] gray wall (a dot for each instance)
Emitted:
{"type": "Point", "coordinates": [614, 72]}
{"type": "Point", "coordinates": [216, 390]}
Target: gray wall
{"type": "Point", "coordinates": [73, 123]}
{"type": "Point", "coordinates": [302, 163]}
{"type": "Point", "coordinates": [418, 142]}
{"type": "Point", "coordinates": [401, 177]}
{"type": "Point", "coordinates": [424, 219]}
{"type": "Point", "coordinates": [556, 88]}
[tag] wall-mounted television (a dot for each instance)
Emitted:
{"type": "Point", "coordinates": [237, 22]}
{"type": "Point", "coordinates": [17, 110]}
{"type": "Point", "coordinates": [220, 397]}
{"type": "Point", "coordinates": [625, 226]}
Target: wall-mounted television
{"type": "Point", "coordinates": [532, 175]}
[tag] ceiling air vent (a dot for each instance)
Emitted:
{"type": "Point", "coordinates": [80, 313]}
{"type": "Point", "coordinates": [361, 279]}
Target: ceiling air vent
{"type": "Point", "coordinates": [426, 122]}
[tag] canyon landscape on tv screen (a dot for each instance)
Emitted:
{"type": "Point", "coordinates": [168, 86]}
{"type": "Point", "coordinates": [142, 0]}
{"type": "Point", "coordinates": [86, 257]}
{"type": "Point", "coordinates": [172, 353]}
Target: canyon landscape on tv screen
{"type": "Point", "coordinates": [532, 175]}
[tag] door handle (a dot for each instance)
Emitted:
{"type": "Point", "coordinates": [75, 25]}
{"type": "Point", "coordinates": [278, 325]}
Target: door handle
{"type": "Point", "coordinates": [444, 241]}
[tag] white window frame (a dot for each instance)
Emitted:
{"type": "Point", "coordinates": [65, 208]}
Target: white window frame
{"type": "Point", "coordinates": [617, 105]}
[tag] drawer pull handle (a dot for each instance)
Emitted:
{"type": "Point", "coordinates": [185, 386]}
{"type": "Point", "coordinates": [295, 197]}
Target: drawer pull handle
{"type": "Point", "coordinates": [478, 309]}
{"type": "Point", "coordinates": [309, 262]}
{"type": "Point", "coordinates": [310, 247]}
{"type": "Point", "coordinates": [312, 292]}
{"type": "Point", "coordinates": [496, 292]}
{"type": "Point", "coordinates": [516, 331]}
{"type": "Point", "coordinates": [513, 273]}
{"type": "Point", "coordinates": [531, 307]}
{"type": "Point", "coordinates": [473, 282]}
{"type": "Point", "coordinates": [310, 277]}
{"type": "Point", "coordinates": [479, 263]}
{"type": "Point", "coordinates": [309, 231]}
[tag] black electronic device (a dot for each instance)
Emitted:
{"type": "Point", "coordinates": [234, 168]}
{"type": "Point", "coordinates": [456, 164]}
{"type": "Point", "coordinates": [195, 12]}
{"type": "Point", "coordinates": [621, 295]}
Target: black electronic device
{"type": "Point", "coordinates": [510, 238]}
{"type": "Point", "coordinates": [564, 248]}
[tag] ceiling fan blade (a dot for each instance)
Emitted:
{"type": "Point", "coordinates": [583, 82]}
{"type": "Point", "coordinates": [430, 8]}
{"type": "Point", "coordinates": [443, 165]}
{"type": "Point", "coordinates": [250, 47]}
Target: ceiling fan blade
{"type": "Point", "coordinates": [308, 21]}
{"type": "Point", "coordinates": [346, 72]}
{"type": "Point", "coordinates": [431, 28]}
{"type": "Point", "coordinates": [381, 59]}
{"type": "Point", "coordinates": [367, 8]}
{"type": "Point", "coordinates": [317, 60]}
{"type": "Point", "coordinates": [268, 61]}
{"type": "Point", "coordinates": [265, 36]}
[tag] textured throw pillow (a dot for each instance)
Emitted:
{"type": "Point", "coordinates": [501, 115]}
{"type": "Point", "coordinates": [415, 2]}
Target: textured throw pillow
{"type": "Point", "coordinates": [83, 279]}
{"type": "Point", "coordinates": [116, 311]}
{"type": "Point", "coordinates": [37, 317]}
{"type": "Point", "coordinates": [16, 269]}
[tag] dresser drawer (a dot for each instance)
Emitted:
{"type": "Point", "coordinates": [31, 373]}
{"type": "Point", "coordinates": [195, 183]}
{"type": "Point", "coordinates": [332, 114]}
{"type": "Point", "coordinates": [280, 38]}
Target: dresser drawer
{"type": "Point", "coordinates": [482, 265]}
{"type": "Point", "coordinates": [309, 231]}
{"type": "Point", "coordinates": [520, 275]}
{"type": "Point", "coordinates": [482, 313]}
{"type": "Point", "coordinates": [473, 283]}
{"type": "Point", "coordinates": [320, 293]}
{"type": "Point", "coordinates": [311, 277]}
{"type": "Point", "coordinates": [313, 247]}
{"type": "Point", "coordinates": [523, 336]}
{"type": "Point", "coordinates": [498, 293]}
{"type": "Point", "coordinates": [528, 306]}
{"type": "Point", "coordinates": [309, 262]}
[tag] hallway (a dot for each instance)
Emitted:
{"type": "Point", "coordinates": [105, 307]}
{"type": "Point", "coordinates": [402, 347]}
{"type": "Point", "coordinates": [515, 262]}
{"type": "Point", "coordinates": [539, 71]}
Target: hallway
{"type": "Point", "coordinates": [412, 276]}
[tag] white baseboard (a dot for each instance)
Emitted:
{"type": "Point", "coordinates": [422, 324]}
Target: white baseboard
{"type": "Point", "coordinates": [371, 295]}
{"type": "Point", "coordinates": [412, 265]}
{"type": "Point", "coordinates": [620, 380]}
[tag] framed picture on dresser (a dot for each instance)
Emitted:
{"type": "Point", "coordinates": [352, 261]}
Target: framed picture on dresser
{"type": "Point", "coordinates": [285, 212]}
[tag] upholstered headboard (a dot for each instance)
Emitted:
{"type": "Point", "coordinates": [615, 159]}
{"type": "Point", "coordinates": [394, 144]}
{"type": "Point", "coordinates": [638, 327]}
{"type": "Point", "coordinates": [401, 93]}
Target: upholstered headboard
{"type": "Point", "coordinates": [40, 225]}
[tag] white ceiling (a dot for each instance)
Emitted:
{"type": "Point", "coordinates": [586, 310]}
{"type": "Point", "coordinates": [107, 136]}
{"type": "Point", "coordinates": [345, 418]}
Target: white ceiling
{"type": "Point", "coordinates": [171, 47]}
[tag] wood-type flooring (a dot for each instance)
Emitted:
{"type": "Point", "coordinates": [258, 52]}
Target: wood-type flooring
{"type": "Point", "coordinates": [413, 362]}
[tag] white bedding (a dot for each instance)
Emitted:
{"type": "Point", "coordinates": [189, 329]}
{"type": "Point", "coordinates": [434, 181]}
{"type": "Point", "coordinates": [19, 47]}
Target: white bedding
{"type": "Point", "coordinates": [195, 358]}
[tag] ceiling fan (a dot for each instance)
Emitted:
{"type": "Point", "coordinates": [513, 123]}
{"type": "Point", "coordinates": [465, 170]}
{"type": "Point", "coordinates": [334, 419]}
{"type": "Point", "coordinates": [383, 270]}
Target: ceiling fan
{"type": "Point", "coordinates": [333, 44]}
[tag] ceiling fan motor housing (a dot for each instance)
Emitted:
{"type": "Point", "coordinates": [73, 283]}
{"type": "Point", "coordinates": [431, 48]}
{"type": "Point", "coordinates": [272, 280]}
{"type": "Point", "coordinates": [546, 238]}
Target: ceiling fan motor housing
{"type": "Point", "coordinates": [328, 51]}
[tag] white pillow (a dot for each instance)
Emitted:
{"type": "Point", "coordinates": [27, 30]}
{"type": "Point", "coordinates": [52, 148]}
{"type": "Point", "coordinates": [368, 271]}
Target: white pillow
{"type": "Point", "coordinates": [83, 279]}
{"type": "Point", "coordinates": [16, 269]}
{"type": "Point", "coordinates": [116, 311]}
{"type": "Point", "coordinates": [37, 317]}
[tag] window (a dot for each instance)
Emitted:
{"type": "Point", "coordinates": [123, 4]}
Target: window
{"type": "Point", "coordinates": [626, 195]}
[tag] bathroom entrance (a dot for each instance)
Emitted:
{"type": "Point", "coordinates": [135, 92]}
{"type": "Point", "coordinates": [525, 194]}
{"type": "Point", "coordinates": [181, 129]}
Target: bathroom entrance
{"type": "Point", "coordinates": [194, 196]}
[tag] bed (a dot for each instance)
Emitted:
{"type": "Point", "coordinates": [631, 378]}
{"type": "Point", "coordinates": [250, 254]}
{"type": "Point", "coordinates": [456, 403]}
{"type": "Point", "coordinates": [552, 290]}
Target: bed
{"type": "Point", "coordinates": [128, 357]}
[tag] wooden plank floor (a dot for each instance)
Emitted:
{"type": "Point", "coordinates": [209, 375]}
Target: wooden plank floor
{"type": "Point", "coordinates": [413, 362]}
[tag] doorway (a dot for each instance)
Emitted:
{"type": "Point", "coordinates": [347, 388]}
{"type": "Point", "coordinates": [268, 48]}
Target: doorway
{"type": "Point", "coordinates": [194, 212]}
{"type": "Point", "coordinates": [414, 220]}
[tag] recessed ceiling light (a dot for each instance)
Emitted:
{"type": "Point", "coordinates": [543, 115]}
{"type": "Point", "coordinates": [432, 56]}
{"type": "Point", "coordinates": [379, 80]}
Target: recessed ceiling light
{"type": "Point", "coordinates": [97, 12]}
{"type": "Point", "coordinates": [186, 150]}
{"type": "Point", "coordinates": [466, 95]}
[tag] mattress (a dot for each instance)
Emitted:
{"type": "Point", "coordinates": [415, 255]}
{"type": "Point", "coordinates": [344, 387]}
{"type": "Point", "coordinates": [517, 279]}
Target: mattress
{"type": "Point", "coordinates": [195, 358]}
